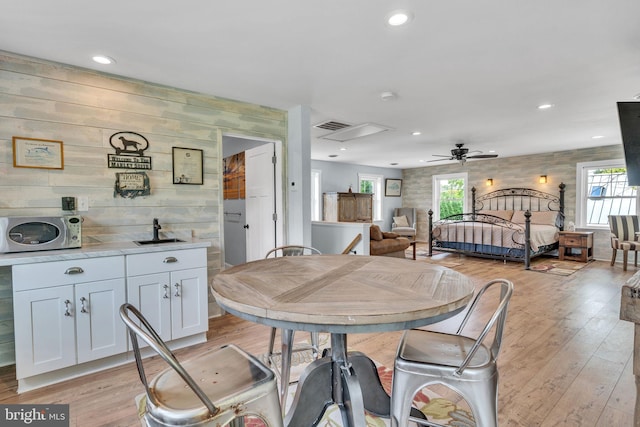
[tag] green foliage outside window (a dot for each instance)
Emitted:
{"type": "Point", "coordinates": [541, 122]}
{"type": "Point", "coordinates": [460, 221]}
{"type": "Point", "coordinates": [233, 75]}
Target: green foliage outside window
{"type": "Point", "coordinates": [451, 197]}
{"type": "Point", "coordinates": [366, 187]}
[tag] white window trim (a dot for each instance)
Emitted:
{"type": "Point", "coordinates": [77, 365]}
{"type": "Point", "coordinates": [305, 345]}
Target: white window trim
{"type": "Point", "coordinates": [436, 191]}
{"type": "Point", "coordinates": [377, 193]}
{"type": "Point", "coordinates": [316, 197]}
{"type": "Point", "coordinates": [581, 181]}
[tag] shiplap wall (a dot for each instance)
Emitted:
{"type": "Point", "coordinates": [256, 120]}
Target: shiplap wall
{"type": "Point", "coordinates": [521, 171]}
{"type": "Point", "coordinates": [83, 108]}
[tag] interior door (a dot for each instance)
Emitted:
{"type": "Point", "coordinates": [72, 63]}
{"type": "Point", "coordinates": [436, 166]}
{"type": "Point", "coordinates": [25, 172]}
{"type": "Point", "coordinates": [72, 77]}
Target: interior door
{"type": "Point", "coordinates": [260, 201]}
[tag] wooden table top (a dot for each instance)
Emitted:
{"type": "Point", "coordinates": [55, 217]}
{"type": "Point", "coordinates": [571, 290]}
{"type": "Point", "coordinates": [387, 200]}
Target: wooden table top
{"type": "Point", "coordinates": [342, 293]}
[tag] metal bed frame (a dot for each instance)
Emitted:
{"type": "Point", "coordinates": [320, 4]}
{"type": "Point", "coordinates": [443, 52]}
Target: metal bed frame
{"type": "Point", "coordinates": [523, 199]}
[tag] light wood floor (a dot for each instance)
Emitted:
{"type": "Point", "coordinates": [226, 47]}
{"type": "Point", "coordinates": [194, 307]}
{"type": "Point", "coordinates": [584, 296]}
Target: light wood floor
{"type": "Point", "coordinates": [566, 359]}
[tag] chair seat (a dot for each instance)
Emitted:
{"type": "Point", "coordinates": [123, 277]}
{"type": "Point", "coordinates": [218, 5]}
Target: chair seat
{"type": "Point", "coordinates": [227, 375]}
{"type": "Point", "coordinates": [404, 231]}
{"type": "Point", "coordinates": [628, 245]}
{"type": "Point", "coordinates": [434, 348]}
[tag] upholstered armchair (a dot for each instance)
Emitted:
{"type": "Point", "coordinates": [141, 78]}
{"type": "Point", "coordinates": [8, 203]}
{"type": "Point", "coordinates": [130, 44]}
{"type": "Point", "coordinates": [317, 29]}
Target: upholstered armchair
{"type": "Point", "coordinates": [404, 222]}
{"type": "Point", "coordinates": [623, 236]}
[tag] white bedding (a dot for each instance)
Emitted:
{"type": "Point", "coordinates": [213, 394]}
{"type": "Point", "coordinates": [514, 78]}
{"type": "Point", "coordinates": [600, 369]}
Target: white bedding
{"type": "Point", "coordinates": [509, 235]}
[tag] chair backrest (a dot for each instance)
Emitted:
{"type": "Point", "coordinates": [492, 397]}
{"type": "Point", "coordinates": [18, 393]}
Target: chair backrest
{"type": "Point", "coordinates": [498, 320]}
{"type": "Point", "coordinates": [292, 250]}
{"type": "Point", "coordinates": [624, 227]}
{"type": "Point", "coordinates": [410, 213]}
{"type": "Point", "coordinates": [151, 337]}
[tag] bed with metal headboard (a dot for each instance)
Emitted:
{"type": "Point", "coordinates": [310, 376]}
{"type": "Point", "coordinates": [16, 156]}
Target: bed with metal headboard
{"type": "Point", "coordinates": [512, 224]}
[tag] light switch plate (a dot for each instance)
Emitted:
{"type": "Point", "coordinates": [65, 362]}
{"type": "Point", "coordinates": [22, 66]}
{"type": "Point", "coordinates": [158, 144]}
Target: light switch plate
{"type": "Point", "coordinates": [83, 204]}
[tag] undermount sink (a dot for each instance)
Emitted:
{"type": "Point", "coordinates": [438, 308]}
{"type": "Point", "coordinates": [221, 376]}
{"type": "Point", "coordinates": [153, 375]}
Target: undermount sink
{"type": "Point", "coordinates": [153, 242]}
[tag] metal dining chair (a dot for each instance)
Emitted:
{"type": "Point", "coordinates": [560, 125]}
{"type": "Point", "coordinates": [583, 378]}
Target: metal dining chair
{"type": "Point", "coordinates": [464, 364]}
{"type": "Point", "coordinates": [229, 383]}
{"type": "Point", "coordinates": [285, 369]}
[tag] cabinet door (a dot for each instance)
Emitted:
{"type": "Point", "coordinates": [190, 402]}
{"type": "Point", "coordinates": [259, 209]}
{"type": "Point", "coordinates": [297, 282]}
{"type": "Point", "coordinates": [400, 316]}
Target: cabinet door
{"type": "Point", "coordinates": [189, 314]}
{"type": "Point", "coordinates": [44, 330]}
{"type": "Point", "coordinates": [347, 208]}
{"type": "Point", "coordinates": [151, 294]}
{"type": "Point", "coordinates": [100, 331]}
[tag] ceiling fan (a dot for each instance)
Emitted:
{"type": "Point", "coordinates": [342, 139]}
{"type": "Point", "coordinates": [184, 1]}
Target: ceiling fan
{"type": "Point", "coordinates": [462, 154]}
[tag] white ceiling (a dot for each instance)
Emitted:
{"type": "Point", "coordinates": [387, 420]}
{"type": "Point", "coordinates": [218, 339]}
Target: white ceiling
{"type": "Point", "coordinates": [463, 70]}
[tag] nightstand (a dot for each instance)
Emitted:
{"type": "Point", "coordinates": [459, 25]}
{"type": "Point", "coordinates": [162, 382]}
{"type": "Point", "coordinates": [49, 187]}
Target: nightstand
{"type": "Point", "coordinates": [573, 241]}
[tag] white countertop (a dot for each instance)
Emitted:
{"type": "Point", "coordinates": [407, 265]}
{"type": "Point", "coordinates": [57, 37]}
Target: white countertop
{"type": "Point", "coordinates": [97, 250]}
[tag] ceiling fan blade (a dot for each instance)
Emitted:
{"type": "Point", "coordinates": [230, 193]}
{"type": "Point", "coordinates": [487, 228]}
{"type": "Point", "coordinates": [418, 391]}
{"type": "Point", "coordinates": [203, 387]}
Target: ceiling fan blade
{"type": "Point", "coordinates": [483, 156]}
{"type": "Point", "coordinates": [442, 155]}
{"type": "Point", "coordinates": [439, 160]}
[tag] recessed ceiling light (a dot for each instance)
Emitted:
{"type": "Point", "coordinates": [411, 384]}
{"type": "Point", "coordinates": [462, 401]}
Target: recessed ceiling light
{"type": "Point", "coordinates": [343, 149]}
{"type": "Point", "coordinates": [104, 60]}
{"type": "Point", "coordinates": [416, 133]}
{"type": "Point", "coordinates": [421, 161]}
{"type": "Point", "coordinates": [393, 164]}
{"type": "Point", "coordinates": [597, 136]}
{"type": "Point", "coordinates": [544, 106]}
{"type": "Point", "coordinates": [399, 17]}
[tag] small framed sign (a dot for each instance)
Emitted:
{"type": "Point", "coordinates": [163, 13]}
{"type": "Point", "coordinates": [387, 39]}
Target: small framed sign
{"type": "Point", "coordinates": [393, 187]}
{"type": "Point", "coordinates": [187, 166]}
{"type": "Point", "coordinates": [37, 153]}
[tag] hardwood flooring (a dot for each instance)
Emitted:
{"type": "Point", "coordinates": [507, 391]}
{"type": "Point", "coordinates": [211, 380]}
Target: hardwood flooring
{"type": "Point", "coordinates": [566, 359]}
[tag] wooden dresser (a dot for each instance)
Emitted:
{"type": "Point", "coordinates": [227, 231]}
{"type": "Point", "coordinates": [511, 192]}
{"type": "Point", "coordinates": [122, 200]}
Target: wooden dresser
{"type": "Point", "coordinates": [348, 207]}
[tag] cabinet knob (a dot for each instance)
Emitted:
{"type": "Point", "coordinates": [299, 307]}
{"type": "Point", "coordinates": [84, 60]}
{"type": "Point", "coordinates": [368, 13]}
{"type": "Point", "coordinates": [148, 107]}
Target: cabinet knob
{"type": "Point", "coordinates": [169, 260]}
{"type": "Point", "coordinates": [74, 270]}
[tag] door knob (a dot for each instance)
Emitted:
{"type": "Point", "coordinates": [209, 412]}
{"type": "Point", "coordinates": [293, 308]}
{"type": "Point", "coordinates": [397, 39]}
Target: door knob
{"type": "Point", "coordinates": [246, 226]}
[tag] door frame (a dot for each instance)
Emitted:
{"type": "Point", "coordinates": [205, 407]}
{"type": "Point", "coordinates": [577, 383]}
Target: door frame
{"type": "Point", "coordinates": [279, 191]}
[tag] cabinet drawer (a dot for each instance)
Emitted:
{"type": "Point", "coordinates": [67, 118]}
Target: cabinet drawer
{"type": "Point", "coordinates": [160, 262]}
{"type": "Point", "coordinates": [57, 273]}
{"type": "Point", "coordinates": [572, 241]}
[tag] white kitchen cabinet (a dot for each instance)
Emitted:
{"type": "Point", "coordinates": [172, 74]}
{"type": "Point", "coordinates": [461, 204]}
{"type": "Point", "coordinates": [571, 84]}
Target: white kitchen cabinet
{"type": "Point", "coordinates": [170, 289]}
{"type": "Point", "coordinates": [66, 313]}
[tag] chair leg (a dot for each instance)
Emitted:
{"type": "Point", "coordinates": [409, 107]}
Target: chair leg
{"type": "Point", "coordinates": [625, 257]}
{"type": "Point", "coordinates": [636, 259]}
{"type": "Point", "coordinates": [272, 340]}
{"type": "Point", "coordinates": [613, 257]}
{"type": "Point", "coordinates": [315, 342]}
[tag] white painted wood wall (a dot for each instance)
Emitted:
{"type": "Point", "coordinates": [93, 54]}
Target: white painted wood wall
{"type": "Point", "coordinates": [83, 108]}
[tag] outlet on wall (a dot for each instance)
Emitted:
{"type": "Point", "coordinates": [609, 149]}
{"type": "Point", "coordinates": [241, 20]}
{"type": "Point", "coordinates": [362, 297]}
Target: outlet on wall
{"type": "Point", "coordinates": [68, 203]}
{"type": "Point", "coordinates": [83, 204]}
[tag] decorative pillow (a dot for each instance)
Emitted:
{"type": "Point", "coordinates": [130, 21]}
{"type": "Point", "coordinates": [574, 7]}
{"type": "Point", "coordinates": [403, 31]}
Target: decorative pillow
{"type": "Point", "coordinates": [506, 215]}
{"type": "Point", "coordinates": [401, 221]}
{"type": "Point", "coordinates": [389, 235]}
{"type": "Point", "coordinates": [375, 233]}
{"type": "Point", "coordinates": [540, 218]}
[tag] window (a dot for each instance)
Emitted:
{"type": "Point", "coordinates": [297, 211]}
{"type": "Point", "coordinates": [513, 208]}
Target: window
{"type": "Point", "coordinates": [316, 195]}
{"type": "Point", "coordinates": [372, 184]}
{"type": "Point", "coordinates": [602, 189]}
{"type": "Point", "coordinates": [449, 195]}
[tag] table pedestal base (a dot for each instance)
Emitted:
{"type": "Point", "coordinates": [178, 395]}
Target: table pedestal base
{"type": "Point", "coordinates": [349, 381]}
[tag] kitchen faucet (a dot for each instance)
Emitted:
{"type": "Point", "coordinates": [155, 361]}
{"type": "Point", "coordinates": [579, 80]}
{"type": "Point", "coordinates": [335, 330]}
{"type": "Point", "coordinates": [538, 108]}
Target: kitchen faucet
{"type": "Point", "coordinates": [156, 227]}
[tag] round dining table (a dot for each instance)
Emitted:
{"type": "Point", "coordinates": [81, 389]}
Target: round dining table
{"type": "Point", "coordinates": [340, 295]}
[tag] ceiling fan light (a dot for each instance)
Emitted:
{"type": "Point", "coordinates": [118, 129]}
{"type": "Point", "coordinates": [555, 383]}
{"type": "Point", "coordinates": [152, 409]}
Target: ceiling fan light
{"type": "Point", "coordinates": [399, 17]}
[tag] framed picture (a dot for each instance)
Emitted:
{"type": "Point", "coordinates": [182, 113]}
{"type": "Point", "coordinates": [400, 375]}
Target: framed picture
{"type": "Point", "coordinates": [393, 187]}
{"type": "Point", "coordinates": [37, 153]}
{"type": "Point", "coordinates": [187, 166]}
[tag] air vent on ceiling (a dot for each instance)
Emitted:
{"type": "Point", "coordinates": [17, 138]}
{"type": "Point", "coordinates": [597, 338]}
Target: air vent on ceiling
{"type": "Point", "coordinates": [353, 132]}
{"type": "Point", "coordinates": [331, 125]}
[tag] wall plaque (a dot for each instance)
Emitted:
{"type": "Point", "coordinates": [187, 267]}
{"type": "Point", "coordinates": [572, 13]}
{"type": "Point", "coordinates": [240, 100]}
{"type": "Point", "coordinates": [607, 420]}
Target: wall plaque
{"type": "Point", "coordinates": [131, 184]}
{"type": "Point", "coordinates": [130, 147]}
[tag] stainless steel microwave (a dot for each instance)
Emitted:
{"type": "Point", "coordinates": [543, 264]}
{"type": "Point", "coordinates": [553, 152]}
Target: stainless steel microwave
{"type": "Point", "coordinates": [43, 233]}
